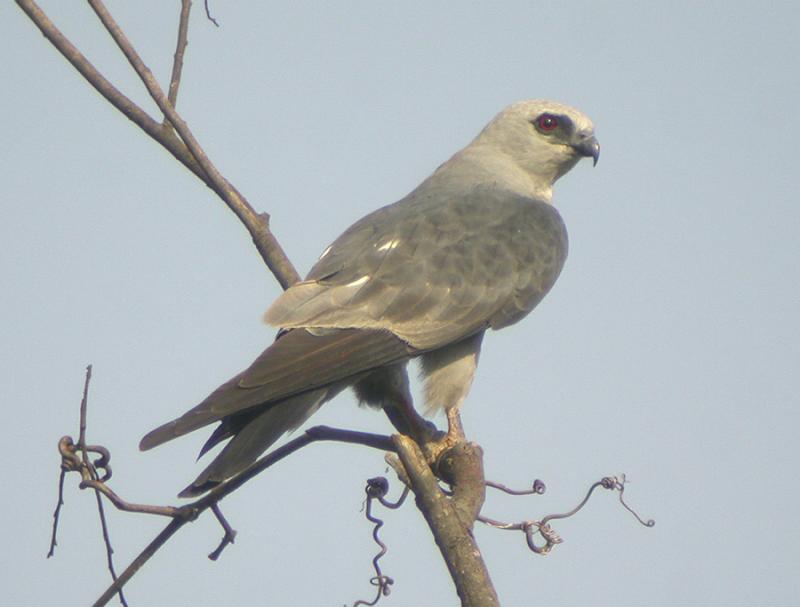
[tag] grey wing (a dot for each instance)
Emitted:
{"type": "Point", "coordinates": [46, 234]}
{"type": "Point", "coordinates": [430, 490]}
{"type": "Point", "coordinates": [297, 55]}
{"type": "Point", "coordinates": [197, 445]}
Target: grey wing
{"type": "Point", "coordinates": [433, 271]}
{"type": "Point", "coordinates": [297, 363]}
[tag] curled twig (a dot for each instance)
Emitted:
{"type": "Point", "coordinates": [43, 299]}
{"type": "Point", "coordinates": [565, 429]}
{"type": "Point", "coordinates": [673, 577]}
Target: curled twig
{"type": "Point", "coordinates": [608, 482]}
{"type": "Point", "coordinates": [621, 486]}
{"type": "Point", "coordinates": [89, 469]}
{"type": "Point", "coordinates": [376, 489]}
{"type": "Point", "coordinates": [538, 488]}
{"type": "Point", "coordinates": [551, 538]}
{"type": "Point", "coordinates": [185, 514]}
{"type": "Point", "coordinates": [75, 458]}
{"type": "Point", "coordinates": [543, 528]}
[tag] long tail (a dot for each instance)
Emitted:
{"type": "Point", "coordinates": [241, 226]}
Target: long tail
{"type": "Point", "coordinates": [283, 387]}
{"type": "Point", "coordinates": [256, 436]}
{"type": "Point", "coordinates": [297, 363]}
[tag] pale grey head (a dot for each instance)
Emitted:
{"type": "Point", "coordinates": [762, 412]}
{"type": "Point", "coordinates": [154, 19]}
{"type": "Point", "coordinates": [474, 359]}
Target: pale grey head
{"type": "Point", "coordinates": [525, 149]}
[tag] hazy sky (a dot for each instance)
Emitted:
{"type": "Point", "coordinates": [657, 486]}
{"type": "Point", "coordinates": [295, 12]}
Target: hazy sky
{"type": "Point", "coordinates": [668, 349]}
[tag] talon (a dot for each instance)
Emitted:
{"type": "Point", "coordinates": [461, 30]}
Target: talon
{"type": "Point", "coordinates": [444, 441]}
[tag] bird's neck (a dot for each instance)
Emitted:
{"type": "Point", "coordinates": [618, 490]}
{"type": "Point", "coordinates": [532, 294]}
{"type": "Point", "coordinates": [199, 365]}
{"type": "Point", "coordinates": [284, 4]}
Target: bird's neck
{"type": "Point", "coordinates": [479, 165]}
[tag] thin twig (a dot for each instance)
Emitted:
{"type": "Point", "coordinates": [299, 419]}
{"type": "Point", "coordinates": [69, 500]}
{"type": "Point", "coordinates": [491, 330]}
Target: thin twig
{"type": "Point", "coordinates": [257, 225]}
{"type": "Point", "coordinates": [538, 488]}
{"type": "Point", "coordinates": [71, 462]}
{"type": "Point", "coordinates": [531, 528]}
{"type": "Point", "coordinates": [621, 486]}
{"type": "Point", "coordinates": [180, 50]}
{"type": "Point", "coordinates": [208, 15]}
{"type": "Point", "coordinates": [57, 513]}
{"type": "Point", "coordinates": [89, 471]}
{"type": "Point", "coordinates": [190, 512]}
{"type": "Point", "coordinates": [113, 95]}
{"type": "Point", "coordinates": [376, 489]}
{"type": "Point", "coordinates": [84, 406]}
{"type": "Point", "coordinates": [607, 482]}
{"type": "Point", "coordinates": [227, 538]}
{"type": "Point", "coordinates": [109, 548]}
{"type": "Point", "coordinates": [396, 504]}
{"type": "Point", "coordinates": [171, 529]}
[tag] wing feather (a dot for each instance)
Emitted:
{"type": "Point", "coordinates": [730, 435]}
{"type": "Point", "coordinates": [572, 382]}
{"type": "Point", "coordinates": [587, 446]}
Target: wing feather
{"type": "Point", "coordinates": [297, 362]}
{"type": "Point", "coordinates": [433, 271]}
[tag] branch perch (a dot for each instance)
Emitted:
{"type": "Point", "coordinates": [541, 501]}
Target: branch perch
{"type": "Point", "coordinates": [188, 513]}
{"type": "Point", "coordinates": [451, 529]}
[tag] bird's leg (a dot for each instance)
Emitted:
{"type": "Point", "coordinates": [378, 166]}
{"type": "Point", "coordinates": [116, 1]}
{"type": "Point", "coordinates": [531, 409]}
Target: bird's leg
{"type": "Point", "coordinates": [455, 431]}
{"type": "Point", "coordinates": [448, 374]}
{"type": "Point", "coordinates": [389, 389]}
{"type": "Point", "coordinates": [405, 418]}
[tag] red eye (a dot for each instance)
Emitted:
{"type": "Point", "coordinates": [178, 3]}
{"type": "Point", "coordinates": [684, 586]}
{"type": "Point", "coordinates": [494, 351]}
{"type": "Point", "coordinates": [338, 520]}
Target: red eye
{"type": "Point", "coordinates": [547, 123]}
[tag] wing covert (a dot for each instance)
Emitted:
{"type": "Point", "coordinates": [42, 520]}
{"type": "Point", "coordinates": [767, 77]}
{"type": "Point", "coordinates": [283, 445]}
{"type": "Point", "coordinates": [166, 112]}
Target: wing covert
{"type": "Point", "coordinates": [433, 271]}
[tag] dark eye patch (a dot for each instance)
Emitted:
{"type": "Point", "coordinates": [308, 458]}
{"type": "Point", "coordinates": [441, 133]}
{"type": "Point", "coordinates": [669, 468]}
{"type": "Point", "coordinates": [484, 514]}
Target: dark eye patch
{"type": "Point", "coordinates": [550, 123]}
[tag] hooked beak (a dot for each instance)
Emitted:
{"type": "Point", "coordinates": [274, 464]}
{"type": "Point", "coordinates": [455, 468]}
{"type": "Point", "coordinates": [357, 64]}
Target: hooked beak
{"type": "Point", "coordinates": [588, 147]}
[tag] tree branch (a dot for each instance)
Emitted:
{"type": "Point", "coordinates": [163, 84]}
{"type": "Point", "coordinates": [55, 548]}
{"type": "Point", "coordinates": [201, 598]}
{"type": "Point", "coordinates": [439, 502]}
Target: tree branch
{"type": "Point", "coordinates": [180, 49]}
{"type": "Point", "coordinates": [256, 224]}
{"type": "Point", "coordinates": [189, 512]}
{"type": "Point", "coordinates": [185, 149]}
{"type": "Point", "coordinates": [451, 529]}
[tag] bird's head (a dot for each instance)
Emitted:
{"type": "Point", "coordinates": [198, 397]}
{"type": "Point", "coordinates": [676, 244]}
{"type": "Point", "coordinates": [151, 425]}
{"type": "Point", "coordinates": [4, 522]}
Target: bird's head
{"type": "Point", "coordinates": [543, 138]}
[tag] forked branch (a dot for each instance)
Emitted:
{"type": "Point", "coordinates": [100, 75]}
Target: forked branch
{"type": "Point", "coordinates": [183, 146]}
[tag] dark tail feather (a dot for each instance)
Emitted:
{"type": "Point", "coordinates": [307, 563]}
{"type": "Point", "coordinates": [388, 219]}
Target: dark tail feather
{"type": "Point", "coordinates": [256, 436]}
{"type": "Point", "coordinates": [298, 361]}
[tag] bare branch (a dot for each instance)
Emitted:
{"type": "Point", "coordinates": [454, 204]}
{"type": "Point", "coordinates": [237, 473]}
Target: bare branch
{"type": "Point", "coordinates": [256, 224]}
{"type": "Point", "coordinates": [109, 548]}
{"type": "Point", "coordinates": [180, 49]}
{"type": "Point", "coordinates": [75, 458]}
{"type": "Point", "coordinates": [144, 556]}
{"type": "Point", "coordinates": [312, 435]}
{"type": "Point", "coordinates": [84, 406]}
{"type": "Point", "coordinates": [452, 534]}
{"type": "Point", "coordinates": [113, 95]}
{"type": "Point", "coordinates": [88, 470]}
{"type": "Point", "coordinates": [190, 155]}
{"type": "Point", "coordinates": [461, 466]}
{"type": "Point", "coordinates": [57, 513]}
{"type": "Point", "coordinates": [208, 15]}
{"type": "Point", "coordinates": [230, 532]}
{"type": "Point", "coordinates": [190, 512]}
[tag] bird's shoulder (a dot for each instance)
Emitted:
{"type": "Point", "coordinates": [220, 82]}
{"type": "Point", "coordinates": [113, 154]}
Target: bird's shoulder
{"type": "Point", "coordinates": [427, 228]}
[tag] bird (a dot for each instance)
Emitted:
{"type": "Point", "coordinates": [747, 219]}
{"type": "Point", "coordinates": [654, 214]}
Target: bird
{"type": "Point", "coordinates": [475, 246]}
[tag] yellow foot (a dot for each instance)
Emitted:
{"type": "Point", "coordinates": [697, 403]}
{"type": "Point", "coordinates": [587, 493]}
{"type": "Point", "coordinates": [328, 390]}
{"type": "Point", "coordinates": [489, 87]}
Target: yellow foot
{"type": "Point", "coordinates": [434, 448]}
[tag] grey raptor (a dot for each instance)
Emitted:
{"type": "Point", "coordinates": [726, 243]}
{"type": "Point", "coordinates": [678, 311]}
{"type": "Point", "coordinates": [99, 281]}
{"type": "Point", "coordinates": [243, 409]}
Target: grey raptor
{"type": "Point", "coordinates": [477, 245]}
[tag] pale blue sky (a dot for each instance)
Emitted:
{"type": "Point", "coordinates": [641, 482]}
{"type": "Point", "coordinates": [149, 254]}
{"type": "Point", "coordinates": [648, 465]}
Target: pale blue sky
{"type": "Point", "coordinates": [667, 350]}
